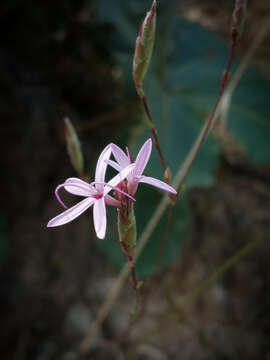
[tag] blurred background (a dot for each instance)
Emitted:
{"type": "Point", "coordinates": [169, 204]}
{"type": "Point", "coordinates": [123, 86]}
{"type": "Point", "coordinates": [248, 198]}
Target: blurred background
{"type": "Point", "coordinates": [210, 297]}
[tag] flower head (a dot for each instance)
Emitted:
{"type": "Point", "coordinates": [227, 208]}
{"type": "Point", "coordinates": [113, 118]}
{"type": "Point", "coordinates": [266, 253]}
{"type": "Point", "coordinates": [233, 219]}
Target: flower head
{"type": "Point", "coordinates": [136, 174]}
{"type": "Point", "coordinates": [95, 194]}
{"type": "Point", "coordinates": [144, 46]}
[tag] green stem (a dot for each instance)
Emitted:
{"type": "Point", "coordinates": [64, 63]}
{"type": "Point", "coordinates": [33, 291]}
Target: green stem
{"type": "Point", "coordinates": [152, 127]}
{"type": "Point", "coordinates": [127, 231]}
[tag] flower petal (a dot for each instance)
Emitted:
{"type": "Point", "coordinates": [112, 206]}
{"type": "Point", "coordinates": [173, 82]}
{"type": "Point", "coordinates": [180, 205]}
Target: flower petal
{"type": "Point", "coordinates": [71, 213]}
{"type": "Point", "coordinates": [118, 178]}
{"type": "Point", "coordinates": [79, 187]}
{"type": "Point", "coordinates": [142, 158]}
{"type": "Point", "coordinates": [114, 165]}
{"type": "Point", "coordinates": [120, 156]}
{"type": "Point", "coordinates": [102, 166]}
{"type": "Point", "coordinates": [157, 183]}
{"type": "Point", "coordinates": [100, 220]}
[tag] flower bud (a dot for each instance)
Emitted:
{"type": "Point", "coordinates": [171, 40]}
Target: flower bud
{"type": "Point", "coordinates": [73, 146]}
{"type": "Point", "coordinates": [144, 46]}
{"type": "Point", "coordinates": [238, 18]}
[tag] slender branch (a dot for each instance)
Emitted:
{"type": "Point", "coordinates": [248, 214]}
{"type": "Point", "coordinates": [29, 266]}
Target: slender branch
{"type": "Point", "coordinates": [152, 127]}
{"type": "Point", "coordinates": [184, 170]}
{"type": "Point", "coordinates": [164, 238]}
{"type": "Point", "coordinates": [248, 56]}
{"type": "Point", "coordinates": [239, 5]}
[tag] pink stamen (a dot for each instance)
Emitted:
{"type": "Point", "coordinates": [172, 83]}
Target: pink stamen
{"type": "Point", "coordinates": [58, 197]}
{"type": "Point", "coordinates": [63, 185]}
{"type": "Point", "coordinates": [114, 188]}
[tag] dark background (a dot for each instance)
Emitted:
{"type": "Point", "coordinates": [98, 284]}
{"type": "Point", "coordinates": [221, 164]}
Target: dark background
{"type": "Point", "coordinates": [53, 64]}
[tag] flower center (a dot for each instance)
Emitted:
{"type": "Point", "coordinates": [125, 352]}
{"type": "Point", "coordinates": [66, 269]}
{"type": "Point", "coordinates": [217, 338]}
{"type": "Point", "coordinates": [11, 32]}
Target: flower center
{"type": "Point", "coordinates": [99, 195]}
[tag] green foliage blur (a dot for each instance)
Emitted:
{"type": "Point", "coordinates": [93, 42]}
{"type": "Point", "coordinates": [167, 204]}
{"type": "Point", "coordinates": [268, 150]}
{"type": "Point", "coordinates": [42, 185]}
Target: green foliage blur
{"type": "Point", "coordinates": [182, 87]}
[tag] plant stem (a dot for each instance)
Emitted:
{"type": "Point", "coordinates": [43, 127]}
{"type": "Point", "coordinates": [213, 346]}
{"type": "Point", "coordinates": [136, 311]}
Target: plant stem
{"type": "Point", "coordinates": [164, 239]}
{"type": "Point", "coordinates": [152, 127]}
{"type": "Point", "coordinates": [208, 125]}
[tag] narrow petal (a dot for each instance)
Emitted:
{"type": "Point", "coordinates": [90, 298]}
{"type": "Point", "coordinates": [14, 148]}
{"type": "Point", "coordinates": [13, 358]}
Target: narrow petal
{"type": "Point", "coordinates": [71, 213]}
{"type": "Point", "coordinates": [157, 183]}
{"type": "Point", "coordinates": [120, 156]}
{"type": "Point", "coordinates": [114, 165]}
{"type": "Point", "coordinates": [79, 187]}
{"type": "Point", "coordinates": [143, 157]}
{"type": "Point", "coordinates": [102, 165]}
{"type": "Point", "coordinates": [100, 220]}
{"type": "Point", "coordinates": [118, 178]}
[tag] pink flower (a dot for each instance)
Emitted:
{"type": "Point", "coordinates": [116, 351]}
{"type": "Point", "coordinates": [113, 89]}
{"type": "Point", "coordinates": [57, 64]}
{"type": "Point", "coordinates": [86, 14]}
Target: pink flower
{"type": "Point", "coordinates": [135, 176]}
{"type": "Point", "coordinates": [95, 194]}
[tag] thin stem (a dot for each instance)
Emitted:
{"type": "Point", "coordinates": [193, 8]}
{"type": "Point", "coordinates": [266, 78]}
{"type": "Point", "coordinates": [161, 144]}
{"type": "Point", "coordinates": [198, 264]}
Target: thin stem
{"type": "Point", "coordinates": [136, 288]}
{"type": "Point", "coordinates": [133, 278]}
{"type": "Point", "coordinates": [226, 74]}
{"type": "Point", "coordinates": [164, 238]}
{"type": "Point", "coordinates": [201, 139]}
{"type": "Point", "coordinates": [152, 127]}
{"type": "Point", "coordinates": [183, 172]}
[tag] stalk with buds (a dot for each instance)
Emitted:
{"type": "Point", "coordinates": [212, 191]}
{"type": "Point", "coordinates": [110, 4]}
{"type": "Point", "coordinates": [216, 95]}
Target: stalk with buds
{"type": "Point", "coordinates": [142, 56]}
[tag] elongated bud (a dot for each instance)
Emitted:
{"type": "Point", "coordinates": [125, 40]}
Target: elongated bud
{"type": "Point", "coordinates": [144, 46]}
{"type": "Point", "coordinates": [238, 18]}
{"type": "Point", "coordinates": [127, 233]}
{"type": "Point", "coordinates": [73, 147]}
